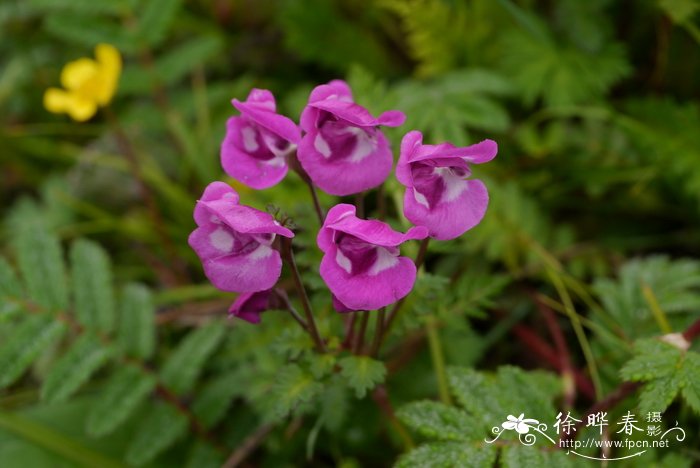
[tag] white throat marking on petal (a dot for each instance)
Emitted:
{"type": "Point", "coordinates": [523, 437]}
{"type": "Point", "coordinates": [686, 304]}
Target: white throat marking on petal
{"type": "Point", "coordinates": [321, 146]}
{"type": "Point", "coordinates": [250, 141]}
{"type": "Point", "coordinates": [263, 251]}
{"type": "Point", "coordinates": [384, 261]}
{"type": "Point", "coordinates": [365, 144]}
{"type": "Point", "coordinates": [343, 261]}
{"type": "Point", "coordinates": [454, 184]}
{"type": "Point", "coordinates": [221, 240]}
{"type": "Point", "coordinates": [420, 198]}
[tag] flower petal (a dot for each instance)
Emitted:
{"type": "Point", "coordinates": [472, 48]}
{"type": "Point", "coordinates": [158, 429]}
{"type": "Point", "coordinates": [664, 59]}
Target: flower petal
{"type": "Point", "coordinates": [249, 306]}
{"type": "Point", "coordinates": [368, 292]}
{"type": "Point", "coordinates": [213, 191]}
{"type": "Point", "coordinates": [254, 172]}
{"type": "Point", "coordinates": [253, 271]}
{"type": "Point", "coordinates": [110, 62]}
{"type": "Point", "coordinates": [56, 100]}
{"type": "Point", "coordinates": [346, 176]}
{"type": "Point", "coordinates": [409, 144]}
{"type": "Point", "coordinates": [79, 108]}
{"type": "Point", "coordinates": [342, 218]}
{"type": "Point", "coordinates": [245, 219]}
{"type": "Point", "coordinates": [449, 219]}
{"type": "Point", "coordinates": [78, 72]}
{"type": "Point", "coordinates": [276, 123]}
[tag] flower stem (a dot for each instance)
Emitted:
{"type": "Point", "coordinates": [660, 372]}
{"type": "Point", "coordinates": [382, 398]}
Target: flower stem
{"type": "Point", "coordinates": [303, 297]}
{"type": "Point", "coordinates": [379, 330]}
{"type": "Point", "coordinates": [420, 258]}
{"type": "Point", "coordinates": [360, 204]}
{"type": "Point", "coordinates": [438, 359]}
{"type": "Point", "coordinates": [360, 339]}
{"type": "Point", "coordinates": [317, 204]}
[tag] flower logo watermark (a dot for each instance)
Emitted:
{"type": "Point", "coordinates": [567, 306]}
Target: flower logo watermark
{"type": "Point", "coordinates": [529, 429]}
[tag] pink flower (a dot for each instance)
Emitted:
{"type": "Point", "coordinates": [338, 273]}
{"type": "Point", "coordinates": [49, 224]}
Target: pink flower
{"type": "Point", "coordinates": [361, 263]}
{"type": "Point", "coordinates": [343, 151]}
{"type": "Point", "coordinates": [234, 242]}
{"type": "Point", "coordinates": [249, 306]}
{"type": "Point", "coordinates": [437, 194]}
{"type": "Point", "coordinates": [255, 149]}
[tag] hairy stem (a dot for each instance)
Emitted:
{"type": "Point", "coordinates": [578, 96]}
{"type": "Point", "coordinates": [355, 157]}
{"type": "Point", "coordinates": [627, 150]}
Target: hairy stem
{"type": "Point", "coordinates": [303, 297]}
{"type": "Point", "coordinates": [360, 338]}
{"type": "Point", "coordinates": [438, 359]}
{"type": "Point", "coordinates": [379, 329]}
{"type": "Point", "coordinates": [317, 203]}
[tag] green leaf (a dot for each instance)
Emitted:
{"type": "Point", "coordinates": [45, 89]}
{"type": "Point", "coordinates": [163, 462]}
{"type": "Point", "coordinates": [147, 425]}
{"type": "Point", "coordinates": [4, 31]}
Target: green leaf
{"type": "Point", "coordinates": [9, 284]}
{"type": "Point", "coordinates": [54, 442]}
{"type": "Point", "coordinates": [653, 359]}
{"type": "Point", "coordinates": [181, 369]}
{"type": "Point", "coordinates": [80, 6]}
{"type": "Point", "coordinates": [136, 321]}
{"type": "Point", "coordinates": [28, 340]}
{"type": "Point", "coordinates": [293, 387]}
{"type": "Point", "coordinates": [172, 66]}
{"type": "Point", "coordinates": [666, 371]}
{"type": "Point", "coordinates": [87, 31]}
{"type": "Point", "coordinates": [204, 456]}
{"type": "Point", "coordinates": [680, 11]}
{"type": "Point", "coordinates": [155, 19]}
{"type": "Point", "coordinates": [92, 286]}
{"type": "Point", "coordinates": [362, 373]}
{"type": "Point", "coordinates": [162, 426]}
{"type": "Point", "coordinates": [449, 455]}
{"type": "Point", "coordinates": [40, 261]}
{"type": "Point", "coordinates": [520, 456]}
{"type": "Point", "coordinates": [126, 389]}
{"type": "Point", "coordinates": [492, 397]}
{"type": "Point", "coordinates": [439, 421]}
{"type": "Point", "coordinates": [74, 368]}
{"type": "Point", "coordinates": [215, 398]}
{"type": "Point", "coordinates": [560, 73]}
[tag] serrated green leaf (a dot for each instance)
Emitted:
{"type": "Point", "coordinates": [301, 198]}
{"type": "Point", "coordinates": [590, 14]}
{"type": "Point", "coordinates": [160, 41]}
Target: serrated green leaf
{"type": "Point", "coordinates": [74, 368]}
{"type": "Point", "coordinates": [28, 340]}
{"type": "Point", "coordinates": [10, 286]}
{"type": "Point", "coordinates": [666, 371]}
{"type": "Point", "coordinates": [335, 403]}
{"type": "Point", "coordinates": [438, 421]}
{"type": "Point", "coordinates": [162, 426]}
{"type": "Point", "coordinates": [40, 260]}
{"type": "Point", "coordinates": [181, 369]}
{"type": "Point", "coordinates": [653, 359]}
{"type": "Point", "coordinates": [93, 292]}
{"type": "Point", "coordinates": [121, 396]}
{"type": "Point", "coordinates": [690, 390]}
{"type": "Point", "coordinates": [136, 321]}
{"type": "Point", "coordinates": [215, 398]}
{"type": "Point", "coordinates": [293, 388]}
{"type": "Point", "coordinates": [493, 397]}
{"type": "Point", "coordinates": [449, 455]}
{"type": "Point", "coordinates": [362, 373]}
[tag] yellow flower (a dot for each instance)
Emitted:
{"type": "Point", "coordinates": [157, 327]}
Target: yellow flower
{"type": "Point", "coordinates": [88, 84]}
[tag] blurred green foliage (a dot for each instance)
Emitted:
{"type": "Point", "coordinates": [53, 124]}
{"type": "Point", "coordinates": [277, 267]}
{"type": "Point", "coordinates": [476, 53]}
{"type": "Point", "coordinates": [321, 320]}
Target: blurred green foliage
{"type": "Point", "coordinates": [112, 351]}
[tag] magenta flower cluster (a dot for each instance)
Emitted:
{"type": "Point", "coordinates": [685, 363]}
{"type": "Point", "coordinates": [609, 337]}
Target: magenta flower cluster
{"type": "Point", "coordinates": [340, 148]}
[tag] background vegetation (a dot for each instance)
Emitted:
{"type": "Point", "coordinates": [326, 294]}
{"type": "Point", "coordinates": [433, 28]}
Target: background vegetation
{"type": "Point", "coordinates": [115, 350]}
